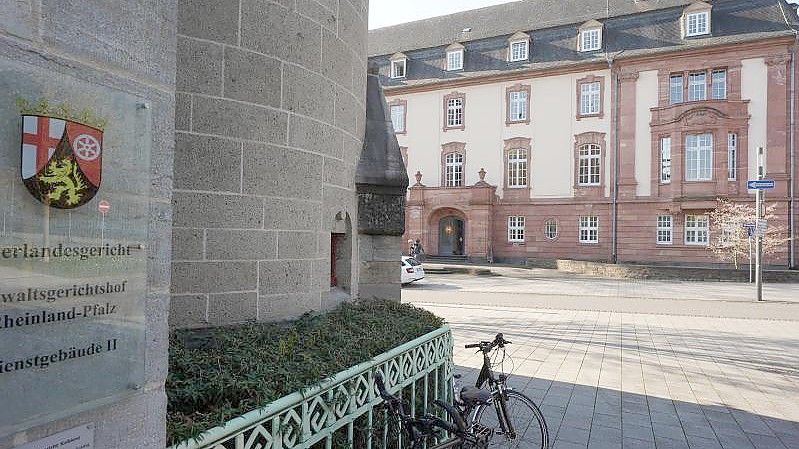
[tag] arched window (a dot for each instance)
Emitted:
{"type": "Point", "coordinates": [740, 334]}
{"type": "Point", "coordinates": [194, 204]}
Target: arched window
{"type": "Point", "coordinates": [517, 168]}
{"type": "Point", "coordinates": [453, 170]}
{"type": "Point", "coordinates": [590, 163]}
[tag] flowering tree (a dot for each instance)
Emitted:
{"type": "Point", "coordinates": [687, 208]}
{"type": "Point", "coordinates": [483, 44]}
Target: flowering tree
{"type": "Point", "coordinates": [731, 241]}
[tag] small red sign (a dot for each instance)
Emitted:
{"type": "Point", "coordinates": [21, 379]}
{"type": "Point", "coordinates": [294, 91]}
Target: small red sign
{"type": "Point", "coordinates": [103, 206]}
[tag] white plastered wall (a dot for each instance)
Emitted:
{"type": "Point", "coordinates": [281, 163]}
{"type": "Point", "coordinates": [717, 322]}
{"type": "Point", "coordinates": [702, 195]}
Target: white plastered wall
{"type": "Point", "coordinates": [754, 87]}
{"type": "Point", "coordinates": [553, 125]}
{"type": "Point", "coordinates": [646, 97]}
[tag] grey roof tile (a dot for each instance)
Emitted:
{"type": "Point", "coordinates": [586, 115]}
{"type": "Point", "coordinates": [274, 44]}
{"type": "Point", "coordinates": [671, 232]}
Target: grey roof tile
{"type": "Point", "coordinates": [635, 27]}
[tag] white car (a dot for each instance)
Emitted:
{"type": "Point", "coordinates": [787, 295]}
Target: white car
{"type": "Point", "coordinates": [411, 270]}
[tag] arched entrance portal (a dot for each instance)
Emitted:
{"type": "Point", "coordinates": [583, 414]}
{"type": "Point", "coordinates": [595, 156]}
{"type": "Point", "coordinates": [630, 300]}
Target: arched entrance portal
{"type": "Point", "coordinates": [451, 236]}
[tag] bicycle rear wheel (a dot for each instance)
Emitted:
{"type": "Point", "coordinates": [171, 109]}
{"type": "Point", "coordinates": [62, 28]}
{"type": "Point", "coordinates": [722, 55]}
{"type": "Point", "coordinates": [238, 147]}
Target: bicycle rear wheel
{"type": "Point", "coordinates": [528, 423]}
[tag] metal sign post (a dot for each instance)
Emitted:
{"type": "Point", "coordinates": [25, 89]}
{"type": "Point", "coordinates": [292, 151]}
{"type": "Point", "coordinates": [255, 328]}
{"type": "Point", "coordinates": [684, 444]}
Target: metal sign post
{"type": "Point", "coordinates": [760, 186]}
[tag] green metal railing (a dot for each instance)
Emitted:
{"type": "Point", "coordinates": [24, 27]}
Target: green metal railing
{"type": "Point", "coordinates": [340, 411]}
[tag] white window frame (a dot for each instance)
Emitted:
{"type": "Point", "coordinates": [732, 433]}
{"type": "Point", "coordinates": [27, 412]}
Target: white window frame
{"type": "Point", "coordinates": [665, 230]}
{"type": "Point", "coordinates": [455, 60]}
{"type": "Point", "coordinates": [697, 86]}
{"type": "Point", "coordinates": [676, 91]}
{"type": "Point", "coordinates": [517, 106]}
{"type": "Point", "coordinates": [592, 37]}
{"type": "Point", "coordinates": [453, 170]}
{"type": "Point", "coordinates": [515, 229]}
{"type": "Point", "coordinates": [517, 168]}
{"type": "Point", "coordinates": [398, 117]}
{"type": "Point", "coordinates": [732, 156]}
{"type": "Point", "coordinates": [551, 229]}
{"type": "Point", "coordinates": [589, 229]}
{"type": "Point", "coordinates": [697, 230]}
{"type": "Point", "coordinates": [394, 65]}
{"type": "Point", "coordinates": [523, 55]}
{"type": "Point", "coordinates": [718, 84]}
{"type": "Point", "coordinates": [590, 165]}
{"type": "Point", "coordinates": [665, 160]}
{"type": "Point", "coordinates": [454, 112]}
{"type": "Point", "coordinates": [694, 20]}
{"type": "Point", "coordinates": [699, 157]}
{"type": "Point", "coordinates": [590, 98]}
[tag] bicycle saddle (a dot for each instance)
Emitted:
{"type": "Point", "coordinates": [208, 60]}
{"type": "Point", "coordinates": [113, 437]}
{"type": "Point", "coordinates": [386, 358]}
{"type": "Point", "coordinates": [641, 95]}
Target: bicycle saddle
{"type": "Point", "coordinates": [472, 395]}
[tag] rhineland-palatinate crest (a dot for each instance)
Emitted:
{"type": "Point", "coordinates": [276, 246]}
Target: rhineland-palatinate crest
{"type": "Point", "coordinates": [61, 160]}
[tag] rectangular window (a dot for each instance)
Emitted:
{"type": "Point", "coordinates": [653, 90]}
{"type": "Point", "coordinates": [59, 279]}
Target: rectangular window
{"type": "Point", "coordinates": [455, 60]}
{"type": "Point", "coordinates": [699, 157]}
{"type": "Point", "coordinates": [454, 112]}
{"type": "Point", "coordinates": [516, 229]}
{"type": "Point", "coordinates": [517, 168]}
{"type": "Point", "coordinates": [675, 89]}
{"type": "Point", "coordinates": [519, 51]}
{"type": "Point", "coordinates": [665, 160]}
{"type": "Point", "coordinates": [453, 170]}
{"type": "Point", "coordinates": [664, 230]}
{"type": "Point", "coordinates": [590, 162]}
{"type": "Point", "coordinates": [591, 40]}
{"type": "Point", "coordinates": [398, 118]}
{"type": "Point", "coordinates": [697, 24]}
{"type": "Point", "coordinates": [590, 98]}
{"type": "Point", "coordinates": [517, 106]}
{"type": "Point", "coordinates": [732, 156]}
{"type": "Point", "coordinates": [589, 229]}
{"type": "Point", "coordinates": [697, 86]}
{"type": "Point", "coordinates": [718, 82]}
{"type": "Point", "coordinates": [697, 230]}
{"type": "Point", "coordinates": [398, 68]}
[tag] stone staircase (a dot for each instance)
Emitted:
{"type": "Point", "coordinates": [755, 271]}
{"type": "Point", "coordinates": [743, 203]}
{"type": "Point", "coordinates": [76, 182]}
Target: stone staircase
{"type": "Point", "coordinates": [446, 259]}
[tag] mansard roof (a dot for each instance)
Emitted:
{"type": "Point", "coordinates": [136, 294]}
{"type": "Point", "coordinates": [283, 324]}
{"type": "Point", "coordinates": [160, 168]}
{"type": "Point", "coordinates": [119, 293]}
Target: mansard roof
{"type": "Point", "coordinates": [634, 27]}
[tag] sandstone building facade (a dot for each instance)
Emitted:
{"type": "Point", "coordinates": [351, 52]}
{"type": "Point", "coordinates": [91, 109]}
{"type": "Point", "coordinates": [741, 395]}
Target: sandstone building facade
{"type": "Point", "coordinates": [600, 131]}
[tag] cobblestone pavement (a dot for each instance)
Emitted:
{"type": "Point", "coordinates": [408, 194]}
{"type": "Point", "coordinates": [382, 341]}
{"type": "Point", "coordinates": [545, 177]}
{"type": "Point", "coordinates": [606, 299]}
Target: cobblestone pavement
{"type": "Point", "coordinates": [609, 379]}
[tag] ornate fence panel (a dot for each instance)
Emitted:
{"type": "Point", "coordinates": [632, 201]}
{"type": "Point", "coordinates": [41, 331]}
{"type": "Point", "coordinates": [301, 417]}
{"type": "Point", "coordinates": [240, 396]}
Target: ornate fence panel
{"type": "Point", "coordinates": [340, 411]}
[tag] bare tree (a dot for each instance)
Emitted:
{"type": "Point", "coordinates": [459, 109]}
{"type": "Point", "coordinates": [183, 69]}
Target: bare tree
{"type": "Point", "coordinates": [731, 241]}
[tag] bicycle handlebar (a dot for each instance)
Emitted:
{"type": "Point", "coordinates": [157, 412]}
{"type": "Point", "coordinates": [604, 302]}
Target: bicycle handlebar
{"type": "Point", "coordinates": [486, 346]}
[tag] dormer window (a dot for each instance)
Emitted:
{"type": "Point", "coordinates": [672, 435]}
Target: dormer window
{"type": "Point", "coordinates": [519, 47]}
{"type": "Point", "coordinates": [590, 36]}
{"type": "Point", "coordinates": [454, 57]}
{"type": "Point", "coordinates": [696, 19]}
{"type": "Point", "coordinates": [399, 66]}
{"type": "Point", "coordinates": [697, 24]}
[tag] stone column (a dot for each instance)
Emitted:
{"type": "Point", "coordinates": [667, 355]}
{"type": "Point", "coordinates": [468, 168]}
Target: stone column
{"type": "Point", "coordinates": [626, 129]}
{"type": "Point", "coordinates": [381, 182]}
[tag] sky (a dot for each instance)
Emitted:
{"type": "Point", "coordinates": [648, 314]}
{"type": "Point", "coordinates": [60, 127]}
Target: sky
{"type": "Point", "coordinates": [391, 12]}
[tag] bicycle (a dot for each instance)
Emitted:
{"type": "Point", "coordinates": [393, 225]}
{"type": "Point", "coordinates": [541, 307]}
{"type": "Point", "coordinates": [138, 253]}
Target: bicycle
{"type": "Point", "coordinates": [419, 430]}
{"type": "Point", "coordinates": [510, 422]}
{"type": "Point", "coordinates": [473, 426]}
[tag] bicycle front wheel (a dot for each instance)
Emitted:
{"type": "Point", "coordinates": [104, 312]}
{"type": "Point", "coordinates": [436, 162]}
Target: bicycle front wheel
{"type": "Point", "coordinates": [529, 429]}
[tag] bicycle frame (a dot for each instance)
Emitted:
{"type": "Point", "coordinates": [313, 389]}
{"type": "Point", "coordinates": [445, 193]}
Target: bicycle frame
{"type": "Point", "coordinates": [498, 388]}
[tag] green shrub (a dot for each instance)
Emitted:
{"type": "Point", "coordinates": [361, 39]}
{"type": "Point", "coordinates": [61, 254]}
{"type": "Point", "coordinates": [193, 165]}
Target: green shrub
{"type": "Point", "coordinates": [218, 374]}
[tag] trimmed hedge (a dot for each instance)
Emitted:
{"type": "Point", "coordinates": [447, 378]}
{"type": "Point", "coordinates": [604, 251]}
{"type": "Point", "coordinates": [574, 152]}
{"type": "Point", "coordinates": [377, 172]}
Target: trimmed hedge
{"type": "Point", "coordinates": [218, 374]}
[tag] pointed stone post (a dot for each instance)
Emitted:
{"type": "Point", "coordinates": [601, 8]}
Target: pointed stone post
{"type": "Point", "coordinates": [381, 182]}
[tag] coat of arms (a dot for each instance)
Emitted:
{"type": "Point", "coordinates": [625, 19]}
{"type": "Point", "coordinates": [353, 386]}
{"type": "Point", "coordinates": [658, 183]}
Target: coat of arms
{"type": "Point", "coordinates": [61, 160]}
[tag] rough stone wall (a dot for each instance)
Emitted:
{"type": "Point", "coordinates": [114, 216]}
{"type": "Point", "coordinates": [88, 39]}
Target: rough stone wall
{"type": "Point", "coordinates": [270, 116]}
{"type": "Point", "coordinates": [129, 46]}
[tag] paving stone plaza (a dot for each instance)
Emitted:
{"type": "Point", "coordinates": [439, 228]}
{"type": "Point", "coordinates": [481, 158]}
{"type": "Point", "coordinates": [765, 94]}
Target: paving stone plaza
{"type": "Point", "coordinates": [609, 379]}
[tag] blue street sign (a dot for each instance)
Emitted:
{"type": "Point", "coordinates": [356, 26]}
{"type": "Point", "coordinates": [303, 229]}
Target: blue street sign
{"type": "Point", "coordinates": [760, 184]}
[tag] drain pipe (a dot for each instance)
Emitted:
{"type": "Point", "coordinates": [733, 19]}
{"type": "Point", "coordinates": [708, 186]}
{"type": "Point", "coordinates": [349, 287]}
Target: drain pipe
{"type": "Point", "coordinates": [792, 145]}
{"type": "Point", "coordinates": [615, 168]}
{"type": "Point", "coordinates": [792, 173]}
